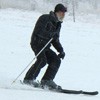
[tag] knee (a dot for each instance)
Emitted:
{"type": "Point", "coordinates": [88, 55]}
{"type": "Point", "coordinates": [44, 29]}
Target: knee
{"type": "Point", "coordinates": [43, 62]}
{"type": "Point", "coordinates": [57, 62]}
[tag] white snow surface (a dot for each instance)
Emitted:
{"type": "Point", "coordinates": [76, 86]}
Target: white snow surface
{"type": "Point", "coordinates": [79, 70]}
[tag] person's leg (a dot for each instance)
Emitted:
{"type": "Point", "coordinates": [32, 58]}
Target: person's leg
{"type": "Point", "coordinates": [54, 64]}
{"type": "Point", "coordinates": [35, 68]}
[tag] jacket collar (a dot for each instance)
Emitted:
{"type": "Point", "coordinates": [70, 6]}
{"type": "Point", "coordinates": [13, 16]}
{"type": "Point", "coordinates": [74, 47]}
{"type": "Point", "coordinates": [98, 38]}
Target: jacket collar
{"type": "Point", "coordinates": [53, 17]}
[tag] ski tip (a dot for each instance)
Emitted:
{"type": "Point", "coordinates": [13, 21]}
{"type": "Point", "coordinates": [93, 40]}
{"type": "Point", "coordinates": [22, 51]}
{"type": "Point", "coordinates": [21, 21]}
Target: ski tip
{"type": "Point", "coordinates": [96, 93]}
{"type": "Point", "coordinates": [91, 93]}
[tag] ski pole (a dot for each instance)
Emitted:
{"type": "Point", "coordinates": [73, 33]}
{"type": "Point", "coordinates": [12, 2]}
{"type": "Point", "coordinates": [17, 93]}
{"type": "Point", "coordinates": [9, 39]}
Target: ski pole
{"type": "Point", "coordinates": [32, 60]}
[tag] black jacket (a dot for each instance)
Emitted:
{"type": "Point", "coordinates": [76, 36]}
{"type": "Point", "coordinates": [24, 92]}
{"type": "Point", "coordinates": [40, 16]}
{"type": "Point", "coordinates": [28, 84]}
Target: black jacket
{"type": "Point", "coordinates": [47, 27]}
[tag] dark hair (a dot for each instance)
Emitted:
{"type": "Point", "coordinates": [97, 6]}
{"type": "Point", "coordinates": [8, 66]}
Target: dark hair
{"type": "Point", "coordinates": [60, 7]}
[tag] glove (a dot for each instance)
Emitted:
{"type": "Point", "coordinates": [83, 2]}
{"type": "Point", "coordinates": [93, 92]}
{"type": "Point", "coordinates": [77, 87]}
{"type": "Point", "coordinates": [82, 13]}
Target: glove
{"type": "Point", "coordinates": [61, 55]}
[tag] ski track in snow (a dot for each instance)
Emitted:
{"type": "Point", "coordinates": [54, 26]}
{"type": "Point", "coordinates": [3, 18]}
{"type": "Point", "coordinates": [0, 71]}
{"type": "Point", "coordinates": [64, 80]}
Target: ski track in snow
{"type": "Point", "coordinates": [79, 70]}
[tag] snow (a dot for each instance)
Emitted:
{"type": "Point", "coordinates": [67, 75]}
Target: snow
{"type": "Point", "coordinates": [81, 6]}
{"type": "Point", "coordinates": [79, 70]}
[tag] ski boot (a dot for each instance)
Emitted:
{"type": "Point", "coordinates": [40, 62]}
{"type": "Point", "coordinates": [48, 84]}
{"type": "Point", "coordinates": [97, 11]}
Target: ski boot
{"type": "Point", "coordinates": [50, 84]}
{"type": "Point", "coordinates": [33, 83]}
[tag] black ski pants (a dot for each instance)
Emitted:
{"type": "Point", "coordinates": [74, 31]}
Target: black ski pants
{"type": "Point", "coordinates": [46, 57]}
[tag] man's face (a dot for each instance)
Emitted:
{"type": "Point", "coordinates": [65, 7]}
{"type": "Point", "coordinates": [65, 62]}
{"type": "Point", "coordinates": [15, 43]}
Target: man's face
{"type": "Point", "coordinates": [60, 15]}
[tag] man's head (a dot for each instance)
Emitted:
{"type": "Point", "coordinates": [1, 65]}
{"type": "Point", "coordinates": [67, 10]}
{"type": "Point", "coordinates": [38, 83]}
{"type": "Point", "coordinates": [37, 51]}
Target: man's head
{"type": "Point", "coordinates": [60, 10]}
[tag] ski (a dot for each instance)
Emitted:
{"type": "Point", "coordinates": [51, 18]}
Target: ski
{"type": "Point", "coordinates": [67, 91]}
{"type": "Point", "coordinates": [79, 92]}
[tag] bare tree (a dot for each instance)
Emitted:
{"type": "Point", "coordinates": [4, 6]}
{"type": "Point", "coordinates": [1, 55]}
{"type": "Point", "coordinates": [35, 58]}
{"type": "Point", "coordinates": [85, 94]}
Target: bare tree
{"type": "Point", "coordinates": [73, 4]}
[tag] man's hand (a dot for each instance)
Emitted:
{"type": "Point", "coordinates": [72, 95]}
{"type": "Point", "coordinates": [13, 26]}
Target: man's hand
{"type": "Point", "coordinates": [61, 54]}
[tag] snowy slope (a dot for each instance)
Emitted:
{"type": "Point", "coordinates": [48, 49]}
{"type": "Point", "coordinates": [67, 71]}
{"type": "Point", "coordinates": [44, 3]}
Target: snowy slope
{"type": "Point", "coordinates": [79, 70]}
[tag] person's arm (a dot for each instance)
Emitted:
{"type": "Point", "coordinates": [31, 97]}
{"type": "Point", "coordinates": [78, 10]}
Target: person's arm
{"type": "Point", "coordinates": [42, 28]}
{"type": "Point", "coordinates": [57, 45]}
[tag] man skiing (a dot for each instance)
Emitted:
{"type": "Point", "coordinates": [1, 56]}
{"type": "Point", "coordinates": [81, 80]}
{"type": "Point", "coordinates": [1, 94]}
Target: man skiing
{"type": "Point", "coordinates": [48, 26]}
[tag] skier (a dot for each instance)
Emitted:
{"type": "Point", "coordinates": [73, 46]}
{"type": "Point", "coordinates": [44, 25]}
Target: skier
{"type": "Point", "coordinates": [48, 26]}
